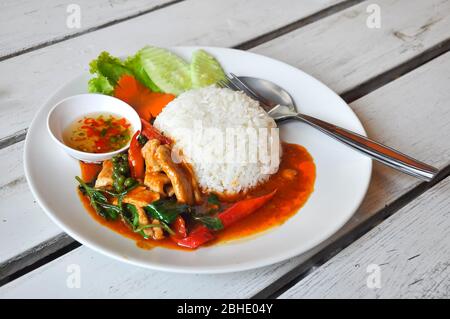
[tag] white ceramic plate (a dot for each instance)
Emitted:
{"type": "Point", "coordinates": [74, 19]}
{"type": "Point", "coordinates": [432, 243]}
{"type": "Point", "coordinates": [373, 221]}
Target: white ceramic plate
{"type": "Point", "coordinates": [342, 179]}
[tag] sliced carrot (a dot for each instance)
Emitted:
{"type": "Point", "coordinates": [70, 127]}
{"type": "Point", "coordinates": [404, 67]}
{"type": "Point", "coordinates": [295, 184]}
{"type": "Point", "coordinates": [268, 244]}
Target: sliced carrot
{"type": "Point", "coordinates": [148, 104]}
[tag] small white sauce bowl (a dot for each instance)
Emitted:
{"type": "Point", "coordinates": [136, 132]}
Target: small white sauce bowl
{"type": "Point", "coordinates": [65, 112]}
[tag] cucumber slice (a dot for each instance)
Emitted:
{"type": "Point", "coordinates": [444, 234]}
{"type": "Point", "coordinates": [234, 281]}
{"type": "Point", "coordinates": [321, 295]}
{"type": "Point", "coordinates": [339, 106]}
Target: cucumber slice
{"type": "Point", "coordinates": [167, 70]}
{"type": "Point", "coordinates": [205, 69]}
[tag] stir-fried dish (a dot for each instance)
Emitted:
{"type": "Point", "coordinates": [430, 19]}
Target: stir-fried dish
{"type": "Point", "coordinates": [157, 199]}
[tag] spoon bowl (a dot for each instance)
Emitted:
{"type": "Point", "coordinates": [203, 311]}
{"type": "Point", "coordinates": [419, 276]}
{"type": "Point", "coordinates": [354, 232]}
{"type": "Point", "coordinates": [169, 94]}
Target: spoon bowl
{"type": "Point", "coordinates": [281, 107]}
{"type": "Point", "coordinates": [270, 91]}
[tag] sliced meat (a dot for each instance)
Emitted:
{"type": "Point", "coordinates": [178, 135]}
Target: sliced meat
{"type": "Point", "coordinates": [143, 220]}
{"type": "Point", "coordinates": [156, 181]}
{"type": "Point", "coordinates": [178, 176]}
{"type": "Point", "coordinates": [105, 177]}
{"type": "Point", "coordinates": [157, 231]}
{"type": "Point", "coordinates": [195, 187]}
{"type": "Point", "coordinates": [140, 197]}
{"type": "Point", "coordinates": [148, 152]}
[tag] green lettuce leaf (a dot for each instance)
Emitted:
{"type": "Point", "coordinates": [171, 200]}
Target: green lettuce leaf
{"type": "Point", "coordinates": [134, 64]}
{"type": "Point", "coordinates": [110, 67]}
{"type": "Point", "coordinates": [100, 84]}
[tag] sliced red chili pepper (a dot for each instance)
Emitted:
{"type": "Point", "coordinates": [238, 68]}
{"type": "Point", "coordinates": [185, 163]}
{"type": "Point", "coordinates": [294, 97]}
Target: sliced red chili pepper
{"type": "Point", "coordinates": [196, 238]}
{"type": "Point", "coordinates": [236, 212]}
{"type": "Point", "coordinates": [151, 133]}
{"type": "Point", "coordinates": [179, 226]}
{"type": "Point", "coordinates": [135, 158]}
{"type": "Point", "coordinates": [243, 208]}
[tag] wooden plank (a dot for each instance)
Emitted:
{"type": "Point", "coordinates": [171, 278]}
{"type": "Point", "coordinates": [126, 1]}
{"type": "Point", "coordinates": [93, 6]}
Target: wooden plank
{"type": "Point", "coordinates": [25, 104]}
{"type": "Point", "coordinates": [389, 113]}
{"type": "Point", "coordinates": [207, 22]}
{"type": "Point", "coordinates": [49, 84]}
{"type": "Point", "coordinates": [18, 207]}
{"type": "Point", "coordinates": [410, 249]}
{"type": "Point", "coordinates": [341, 50]}
{"type": "Point", "coordinates": [52, 65]}
{"type": "Point", "coordinates": [27, 24]}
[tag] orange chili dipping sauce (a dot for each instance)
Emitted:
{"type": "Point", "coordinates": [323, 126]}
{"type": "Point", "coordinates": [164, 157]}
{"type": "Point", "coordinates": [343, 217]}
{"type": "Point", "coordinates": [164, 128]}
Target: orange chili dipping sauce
{"type": "Point", "coordinates": [98, 133]}
{"type": "Point", "coordinates": [294, 182]}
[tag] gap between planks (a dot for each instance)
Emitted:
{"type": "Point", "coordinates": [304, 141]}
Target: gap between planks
{"type": "Point", "coordinates": [51, 249]}
{"type": "Point", "coordinates": [20, 135]}
{"type": "Point", "coordinates": [62, 244]}
{"type": "Point", "coordinates": [36, 257]}
{"type": "Point", "coordinates": [89, 30]}
{"type": "Point", "coordinates": [297, 274]}
{"type": "Point", "coordinates": [297, 24]}
{"type": "Point", "coordinates": [359, 91]}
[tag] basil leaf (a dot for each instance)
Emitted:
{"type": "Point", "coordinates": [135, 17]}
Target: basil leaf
{"type": "Point", "coordinates": [167, 228]}
{"type": "Point", "coordinates": [142, 139]}
{"type": "Point", "coordinates": [96, 197]}
{"type": "Point", "coordinates": [165, 210]}
{"type": "Point", "coordinates": [111, 210]}
{"type": "Point", "coordinates": [213, 199]}
{"type": "Point", "coordinates": [213, 223]}
{"type": "Point", "coordinates": [131, 215]}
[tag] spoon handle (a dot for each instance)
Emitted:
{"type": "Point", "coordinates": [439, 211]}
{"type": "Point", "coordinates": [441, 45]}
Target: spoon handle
{"type": "Point", "coordinates": [377, 151]}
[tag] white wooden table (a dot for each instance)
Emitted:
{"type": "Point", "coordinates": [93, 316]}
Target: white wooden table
{"type": "Point", "coordinates": [395, 77]}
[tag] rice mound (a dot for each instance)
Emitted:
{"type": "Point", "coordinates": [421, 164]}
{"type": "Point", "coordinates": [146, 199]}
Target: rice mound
{"type": "Point", "coordinates": [218, 109]}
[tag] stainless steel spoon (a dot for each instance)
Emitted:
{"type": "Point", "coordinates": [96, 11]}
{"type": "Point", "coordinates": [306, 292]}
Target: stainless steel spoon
{"type": "Point", "coordinates": [281, 107]}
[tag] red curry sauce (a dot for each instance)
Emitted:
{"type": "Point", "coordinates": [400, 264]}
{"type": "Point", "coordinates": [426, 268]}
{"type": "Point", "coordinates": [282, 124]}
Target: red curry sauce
{"type": "Point", "coordinates": [294, 182]}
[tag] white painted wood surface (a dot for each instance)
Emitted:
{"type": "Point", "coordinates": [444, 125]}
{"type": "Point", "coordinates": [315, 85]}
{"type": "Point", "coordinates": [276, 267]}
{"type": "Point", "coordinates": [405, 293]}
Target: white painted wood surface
{"type": "Point", "coordinates": [341, 50]}
{"type": "Point", "coordinates": [384, 112]}
{"type": "Point", "coordinates": [410, 250]}
{"type": "Point", "coordinates": [22, 239]}
{"type": "Point", "coordinates": [18, 207]}
{"type": "Point", "coordinates": [25, 24]}
{"type": "Point", "coordinates": [203, 22]}
{"type": "Point", "coordinates": [53, 65]}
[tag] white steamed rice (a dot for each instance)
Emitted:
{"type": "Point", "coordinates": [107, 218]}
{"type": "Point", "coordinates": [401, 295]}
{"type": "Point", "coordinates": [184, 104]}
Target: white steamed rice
{"type": "Point", "coordinates": [218, 108]}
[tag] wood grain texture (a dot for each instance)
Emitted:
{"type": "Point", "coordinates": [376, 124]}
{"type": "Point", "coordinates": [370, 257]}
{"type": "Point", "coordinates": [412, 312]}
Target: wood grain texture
{"type": "Point", "coordinates": [209, 22]}
{"type": "Point", "coordinates": [195, 22]}
{"type": "Point", "coordinates": [27, 24]}
{"type": "Point", "coordinates": [410, 248]}
{"type": "Point", "coordinates": [386, 122]}
{"type": "Point", "coordinates": [102, 276]}
{"type": "Point", "coordinates": [341, 50]}
{"type": "Point", "coordinates": [18, 207]}
{"type": "Point", "coordinates": [45, 63]}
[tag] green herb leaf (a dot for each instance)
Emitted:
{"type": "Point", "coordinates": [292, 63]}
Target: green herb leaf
{"type": "Point", "coordinates": [213, 223]}
{"type": "Point", "coordinates": [134, 64]}
{"type": "Point", "coordinates": [113, 211]}
{"type": "Point", "coordinates": [97, 200]}
{"type": "Point", "coordinates": [213, 199]}
{"type": "Point", "coordinates": [132, 215]}
{"type": "Point", "coordinates": [166, 210]}
{"type": "Point", "coordinates": [142, 139]}
{"type": "Point", "coordinates": [167, 228]}
{"type": "Point", "coordinates": [110, 67]}
{"type": "Point", "coordinates": [100, 84]}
